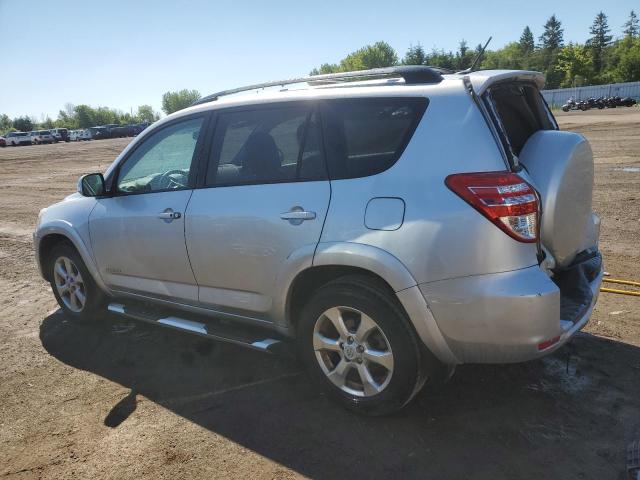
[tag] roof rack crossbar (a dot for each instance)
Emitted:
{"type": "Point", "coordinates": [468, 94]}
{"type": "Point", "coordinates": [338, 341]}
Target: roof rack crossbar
{"type": "Point", "coordinates": [412, 74]}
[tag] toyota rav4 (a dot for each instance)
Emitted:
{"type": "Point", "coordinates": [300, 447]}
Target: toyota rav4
{"type": "Point", "coordinates": [394, 223]}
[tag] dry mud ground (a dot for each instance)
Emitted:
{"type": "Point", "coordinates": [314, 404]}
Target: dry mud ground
{"type": "Point", "coordinates": [97, 402]}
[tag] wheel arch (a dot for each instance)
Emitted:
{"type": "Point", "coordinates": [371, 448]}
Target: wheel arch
{"type": "Point", "coordinates": [47, 238]}
{"type": "Point", "coordinates": [337, 259]}
{"type": "Point", "coordinates": [334, 260]}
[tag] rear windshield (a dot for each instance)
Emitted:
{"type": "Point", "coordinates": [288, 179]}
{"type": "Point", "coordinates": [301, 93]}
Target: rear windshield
{"type": "Point", "coordinates": [366, 136]}
{"type": "Point", "coordinates": [518, 111]}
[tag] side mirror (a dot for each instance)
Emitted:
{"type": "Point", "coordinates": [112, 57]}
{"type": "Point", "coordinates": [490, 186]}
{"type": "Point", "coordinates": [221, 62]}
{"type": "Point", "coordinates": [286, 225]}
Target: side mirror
{"type": "Point", "coordinates": [91, 185]}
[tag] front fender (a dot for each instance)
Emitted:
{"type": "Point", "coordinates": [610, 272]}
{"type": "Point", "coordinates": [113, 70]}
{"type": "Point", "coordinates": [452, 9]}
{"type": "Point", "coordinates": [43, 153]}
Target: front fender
{"type": "Point", "coordinates": [59, 227]}
{"type": "Point", "coordinates": [70, 219]}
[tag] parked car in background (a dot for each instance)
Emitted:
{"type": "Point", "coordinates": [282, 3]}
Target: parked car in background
{"type": "Point", "coordinates": [18, 138]}
{"type": "Point", "coordinates": [3, 142]}
{"type": "Point", "coordinates": [41, 136]}
{"type": "Point", "coordinates": [85, 134]}
{"type": "Point", "coordinates": [353, 220]}
{"type": "Point", "coordinates": [60, 134]}
{"type": "Point", "coordinates": [74, 135]}
{"type": "Point", "coordinates": [99, 133]}
{"type": "Point", "coordinates": [121, 131]}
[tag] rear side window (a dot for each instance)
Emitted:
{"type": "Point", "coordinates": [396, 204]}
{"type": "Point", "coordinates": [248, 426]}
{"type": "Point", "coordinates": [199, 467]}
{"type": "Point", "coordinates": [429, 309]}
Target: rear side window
{"type": "Point", "coordinates": [519, 111]}
{"type": "Point", "coordinates": [266, 146]}
{"type": "Point", "coordinates": [367, 136]}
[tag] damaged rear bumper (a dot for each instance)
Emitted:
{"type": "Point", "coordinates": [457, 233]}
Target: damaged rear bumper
{"type": "Point", "coordinates": [515, 316]}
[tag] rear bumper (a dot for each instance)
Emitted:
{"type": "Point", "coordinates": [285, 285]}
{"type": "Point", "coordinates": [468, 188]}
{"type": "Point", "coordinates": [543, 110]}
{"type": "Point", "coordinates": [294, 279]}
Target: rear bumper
{"type": "Point", "coordinates": [505, 317]}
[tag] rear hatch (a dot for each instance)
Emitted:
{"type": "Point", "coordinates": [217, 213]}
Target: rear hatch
{"type": "Point", "coordinates": [558, 164]}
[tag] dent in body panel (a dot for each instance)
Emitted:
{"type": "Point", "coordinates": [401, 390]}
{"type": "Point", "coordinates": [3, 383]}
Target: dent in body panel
{"type": "Point", "coordinates": [497, 317]}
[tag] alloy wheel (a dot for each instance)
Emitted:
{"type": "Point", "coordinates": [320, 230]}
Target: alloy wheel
{"type": "Point", "coordinates": [69, 284]}
{"type": "Point", "coordinates": [353, 351]}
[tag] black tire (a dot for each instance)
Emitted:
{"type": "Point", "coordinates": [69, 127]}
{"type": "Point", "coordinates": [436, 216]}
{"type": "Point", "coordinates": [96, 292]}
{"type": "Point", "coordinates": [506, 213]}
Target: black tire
{"type": "Point", "coordinates": [95, 299]}
{"type": "Point", "coordinates": [374, 300]}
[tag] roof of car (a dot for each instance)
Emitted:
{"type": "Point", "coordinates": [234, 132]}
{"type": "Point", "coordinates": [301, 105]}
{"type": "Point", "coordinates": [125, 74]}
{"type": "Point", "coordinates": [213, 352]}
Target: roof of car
{"type": "Point", "coordinates": [447, 84]}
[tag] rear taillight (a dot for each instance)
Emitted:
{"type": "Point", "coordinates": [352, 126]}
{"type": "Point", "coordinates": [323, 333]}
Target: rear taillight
{"type": "Point", "coordinates": [504, 198]}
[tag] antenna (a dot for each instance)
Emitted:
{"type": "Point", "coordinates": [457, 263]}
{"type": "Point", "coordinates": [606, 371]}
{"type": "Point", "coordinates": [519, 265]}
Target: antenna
{"type": "Point", "coordinates": [476, 60]}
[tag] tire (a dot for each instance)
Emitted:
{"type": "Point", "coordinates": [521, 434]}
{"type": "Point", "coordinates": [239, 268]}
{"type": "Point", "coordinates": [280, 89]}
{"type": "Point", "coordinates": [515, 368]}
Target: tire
{"type": "Point", "coordinates": [94, 307]}
{"type": "Point", "coordinates": [349, 358]}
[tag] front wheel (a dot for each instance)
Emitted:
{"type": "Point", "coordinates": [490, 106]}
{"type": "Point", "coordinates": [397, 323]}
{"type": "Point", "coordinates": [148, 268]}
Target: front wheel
{"type": "Point", "coordinates": [73, 286]}
{"type": "Point", "coordinates": [357, 343]}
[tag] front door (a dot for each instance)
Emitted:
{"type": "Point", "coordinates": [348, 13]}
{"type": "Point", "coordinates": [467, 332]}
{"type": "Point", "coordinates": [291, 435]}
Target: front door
{"type": "Point", "coordinates": [138, 234]}
{"type": "Point", "coordinates": [263, 204]}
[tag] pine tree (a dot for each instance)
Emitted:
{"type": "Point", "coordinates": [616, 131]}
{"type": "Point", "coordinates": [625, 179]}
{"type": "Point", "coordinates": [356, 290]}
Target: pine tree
{"type": "Point", "coordinates": [415, 55]}
{"type": "Point", "coordinates": [600, 38]}
{"type": "Point", "coordinates": [526, 40]}
{"type": "Point", "coordinates": [552, 37]}
{"type": "Point", "coordinates": [631, 27]}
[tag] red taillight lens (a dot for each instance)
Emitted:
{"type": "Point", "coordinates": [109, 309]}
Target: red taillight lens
{"type": "Point", "coordinates": [504, 198]}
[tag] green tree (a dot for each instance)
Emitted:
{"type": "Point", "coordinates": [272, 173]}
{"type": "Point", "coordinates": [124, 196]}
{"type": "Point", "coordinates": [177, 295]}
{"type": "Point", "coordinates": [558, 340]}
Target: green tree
{"type": "Point", "coordinates": [5, 123]}
{"type": "Point", "coordinates": [23, 124]}
{"type": "Point", "coordinates": [46, 124]}
{"type": "Point", "coordinates": [378, 55]}
{"type": "Point", "coordinates": [463, 56]}
{"type": "Point", "coordinates": [415, 55]}
{"type": "Point", "coordinates": [174, 101]}
{"type": "Point", "coordinates": [510, 58]}
{"type": "Point", "coordinates": [527, 44]}
{"type": "Point", "coordinates": [325, 68]}
{"type": "Point", "coordinates": [147, 114]}
{"type": "Point", "coordinates": [84, 116]}
{"type": "Point", "coordinates": [631, 28]}
{"type": "Point", "coordinates": [575, 64]}
{"type": "Point", "coordinates": [551, 41]}
{"type": "Point", "coordinates": [628, 65]}
{"type": "Point", "coordinates": [599, 40]}
{"type": "Point", "coordinates": [553, 35]}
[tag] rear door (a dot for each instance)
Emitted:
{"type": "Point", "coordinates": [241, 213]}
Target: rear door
{"type": "Point", "coordinates": [262, 206]}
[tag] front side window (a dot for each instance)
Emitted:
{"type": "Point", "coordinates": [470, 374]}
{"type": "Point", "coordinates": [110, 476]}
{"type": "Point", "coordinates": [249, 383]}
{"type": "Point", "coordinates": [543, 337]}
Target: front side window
{"type": "Point", "coordinates": [266, 146]}
{"type": "Point", "coordinates": [163, 161]}
{"type": "Point", "coordinates": [366, 136]}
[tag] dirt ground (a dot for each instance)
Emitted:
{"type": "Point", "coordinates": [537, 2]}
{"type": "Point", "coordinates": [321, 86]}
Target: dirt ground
{"type": "Point", "coordinates": [120, 400]}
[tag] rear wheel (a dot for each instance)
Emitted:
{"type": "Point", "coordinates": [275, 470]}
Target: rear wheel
{"type": "Point", "coordinates": [73, 286]}
{"type": "Point", "coordinates": [357, 343]}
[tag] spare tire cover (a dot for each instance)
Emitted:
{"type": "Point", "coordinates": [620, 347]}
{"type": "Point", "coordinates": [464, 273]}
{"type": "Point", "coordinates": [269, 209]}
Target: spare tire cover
{"type": "Point", "coordinates": [561, 167]}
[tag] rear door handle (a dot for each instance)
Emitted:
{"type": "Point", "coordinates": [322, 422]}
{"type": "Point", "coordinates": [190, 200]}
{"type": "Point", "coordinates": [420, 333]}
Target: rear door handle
{"type": "Point", "coordinates": [298, 215]}
{"type": "Point", "coordinates": [169, 215]}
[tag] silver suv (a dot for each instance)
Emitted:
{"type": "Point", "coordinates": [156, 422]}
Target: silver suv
{"type": "Point", "coordinates": [394, 222]}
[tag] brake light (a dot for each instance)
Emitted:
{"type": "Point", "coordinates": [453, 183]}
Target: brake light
{"type": "Point", "coordinates": [504, 198]}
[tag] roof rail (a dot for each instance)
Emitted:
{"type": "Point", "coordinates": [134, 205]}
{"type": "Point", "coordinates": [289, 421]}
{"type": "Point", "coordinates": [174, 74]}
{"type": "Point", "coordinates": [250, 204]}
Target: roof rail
{"type": "Point", "coordinates": [412, 74]}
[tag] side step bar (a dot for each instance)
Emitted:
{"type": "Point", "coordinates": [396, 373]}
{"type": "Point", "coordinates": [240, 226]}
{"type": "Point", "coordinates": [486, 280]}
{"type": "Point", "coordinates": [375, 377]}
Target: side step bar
{"type": "Point", "coordinates": [249, 337]}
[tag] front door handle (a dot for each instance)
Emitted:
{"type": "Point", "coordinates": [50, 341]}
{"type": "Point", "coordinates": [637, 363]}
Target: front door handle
{"type": "Point", "coordinates": [297, 215]}
{"type": "Point", "coordinates": [169, 215]}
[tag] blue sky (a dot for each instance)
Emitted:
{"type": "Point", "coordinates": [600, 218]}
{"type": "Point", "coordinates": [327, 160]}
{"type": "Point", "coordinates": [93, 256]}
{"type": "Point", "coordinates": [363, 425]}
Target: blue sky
{"type": "Point", "coordinates": [123, 53]}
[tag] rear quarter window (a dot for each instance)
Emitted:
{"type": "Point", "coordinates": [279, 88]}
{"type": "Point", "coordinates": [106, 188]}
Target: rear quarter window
{"type": "Point", "coordinates": [364, 137]}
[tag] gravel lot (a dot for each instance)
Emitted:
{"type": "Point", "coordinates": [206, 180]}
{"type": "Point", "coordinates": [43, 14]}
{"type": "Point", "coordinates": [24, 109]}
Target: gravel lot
{"type": "Point", "coordinates": [120, 400]}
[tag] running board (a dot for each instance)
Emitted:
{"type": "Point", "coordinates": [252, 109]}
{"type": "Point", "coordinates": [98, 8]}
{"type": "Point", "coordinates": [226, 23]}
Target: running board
{"type": "Point", "coordinates": [249, 337]}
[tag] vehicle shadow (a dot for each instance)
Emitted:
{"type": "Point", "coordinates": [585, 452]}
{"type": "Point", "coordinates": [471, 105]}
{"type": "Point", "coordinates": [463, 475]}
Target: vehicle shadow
{"type": "Point", "coordinates": [543, 419]}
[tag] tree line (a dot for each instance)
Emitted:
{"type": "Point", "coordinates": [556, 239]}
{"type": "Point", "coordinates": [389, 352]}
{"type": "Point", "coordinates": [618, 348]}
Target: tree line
{"type": "Point", "coordinates": [601, 59]}
{"type": "Point", "coordinates": [84, 116]}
